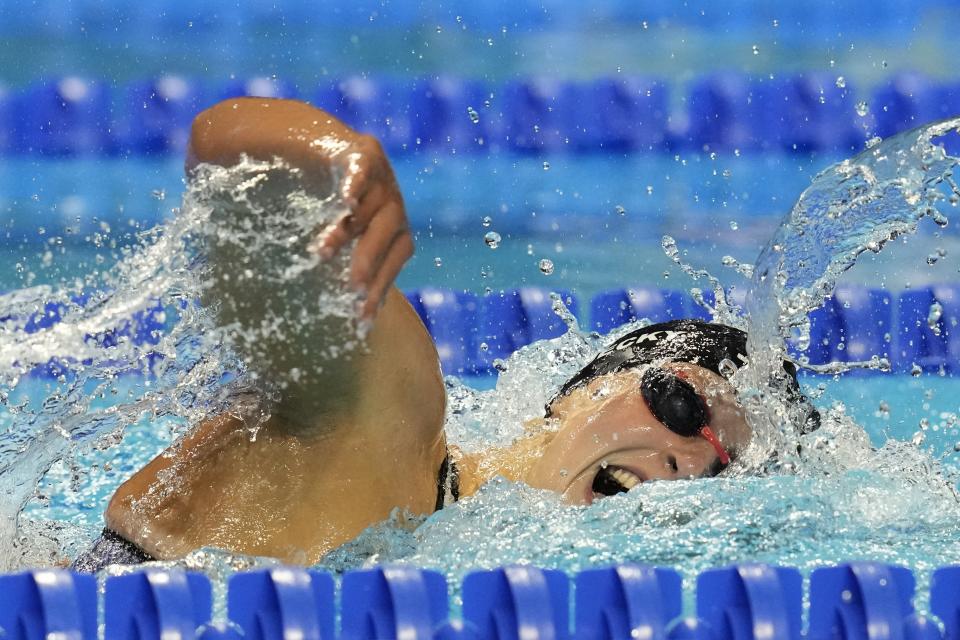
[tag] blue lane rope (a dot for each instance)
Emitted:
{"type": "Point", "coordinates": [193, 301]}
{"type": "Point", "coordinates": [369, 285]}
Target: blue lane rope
{"type": "Point", "coordinates": [800, 113]}
{"type": "Point", "coordinates": [859, 600]}
{"type": "Point", "coordinates": [472, 332]}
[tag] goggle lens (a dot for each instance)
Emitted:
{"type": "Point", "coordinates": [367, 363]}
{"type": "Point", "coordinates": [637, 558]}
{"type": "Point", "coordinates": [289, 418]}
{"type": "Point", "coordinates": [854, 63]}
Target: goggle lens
{"type": "Point", "coordinates": [678, 406]}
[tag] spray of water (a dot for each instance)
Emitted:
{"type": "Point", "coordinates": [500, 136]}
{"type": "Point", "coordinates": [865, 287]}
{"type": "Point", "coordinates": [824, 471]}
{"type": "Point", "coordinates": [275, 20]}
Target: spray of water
{"type": "Point", "coordinates": [843, 498]}
{"type": "Point", "coordinates": [198, 310]}
{"type": "Point", "coordinates": [855, 206]}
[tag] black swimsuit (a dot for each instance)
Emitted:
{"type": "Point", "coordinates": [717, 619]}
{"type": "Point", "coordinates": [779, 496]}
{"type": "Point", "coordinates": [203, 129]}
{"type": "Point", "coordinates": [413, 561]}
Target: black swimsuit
{"type": "Point", "coordinates": [448, 484]}
{"type": "Point", "coordinates": [112, 548]}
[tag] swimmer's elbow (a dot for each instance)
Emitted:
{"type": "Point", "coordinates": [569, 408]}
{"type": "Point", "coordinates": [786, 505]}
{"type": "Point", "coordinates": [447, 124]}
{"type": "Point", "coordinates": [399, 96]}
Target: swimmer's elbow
{"type": "Point", "coordinates": [263, 129]}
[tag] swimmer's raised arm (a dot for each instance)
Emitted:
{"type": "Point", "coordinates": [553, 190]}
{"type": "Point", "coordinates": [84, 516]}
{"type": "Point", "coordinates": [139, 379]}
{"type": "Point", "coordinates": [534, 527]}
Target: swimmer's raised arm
{"type": "Point", "coordinates": [342, 448]}
{"type": "Point", "coordinates": [323, 148]}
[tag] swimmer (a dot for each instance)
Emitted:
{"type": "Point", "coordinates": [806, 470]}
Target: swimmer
{"type": "Point", "coordinates": [343, 450]}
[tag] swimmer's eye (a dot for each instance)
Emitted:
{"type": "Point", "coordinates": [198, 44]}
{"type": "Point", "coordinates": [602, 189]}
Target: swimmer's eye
{"type": "Point", "coordinates": [678, 406]}
{"type": "Point", "coordinates": [674, 402]}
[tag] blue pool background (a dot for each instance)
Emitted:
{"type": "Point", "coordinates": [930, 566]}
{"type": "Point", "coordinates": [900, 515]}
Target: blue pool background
{"type": "Point", "coordinates": [580, 133]}
{"type": "Point", "coordinates": [95, 98]}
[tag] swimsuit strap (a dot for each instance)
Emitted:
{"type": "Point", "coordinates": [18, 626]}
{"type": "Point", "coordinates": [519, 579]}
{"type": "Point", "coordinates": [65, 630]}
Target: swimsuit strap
{"type": "Point", "coordinates": [448, 483]}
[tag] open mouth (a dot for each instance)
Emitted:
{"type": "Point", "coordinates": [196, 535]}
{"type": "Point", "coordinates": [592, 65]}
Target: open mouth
{"type": "Point", "coordinates": [611, 480]}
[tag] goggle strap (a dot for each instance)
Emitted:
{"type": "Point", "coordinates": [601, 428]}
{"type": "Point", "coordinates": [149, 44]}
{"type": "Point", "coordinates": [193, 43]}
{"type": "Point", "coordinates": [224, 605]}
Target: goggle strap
{"type": "Point", "coordinates": [712, 438]}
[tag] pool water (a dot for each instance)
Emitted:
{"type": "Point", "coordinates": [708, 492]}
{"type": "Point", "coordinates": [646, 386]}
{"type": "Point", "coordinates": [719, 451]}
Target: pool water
{"type": "Point", "coordinates": [878, 480]}
{"type": "Point", "coordinates": [887, 493]}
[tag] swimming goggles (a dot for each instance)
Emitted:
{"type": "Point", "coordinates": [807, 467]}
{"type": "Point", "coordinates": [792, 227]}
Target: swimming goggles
{"type": "Point", "coordinates": [678, 406]}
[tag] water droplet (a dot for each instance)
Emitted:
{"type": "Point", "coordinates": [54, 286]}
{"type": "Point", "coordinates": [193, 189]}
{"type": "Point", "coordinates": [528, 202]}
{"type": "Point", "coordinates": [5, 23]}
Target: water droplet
{"type": "Point", "coordinates": [546, 266]}
{"type": "Point", "coordinates": [484, 346]}
{"type": "Point", "coordinates": [546, 166]}
{"type": "Point", "coordinates": [649, 189]}
{"type": "Point", "coordinates": [727, 368]}
{"type": "Point", "coordinates": [487, 220]}
{"type": "Point", "coordinates": [863, 108]}
{"type": "Point", "coordinates": [158, 194]}
{"type": "Point", "coordinates": [756, 50]}
{"type": "Point", "coordinates": [874, 141]}
{"type": "Point", "coordinates": [776, 23]}
{"type": "Point", "coordinates": [529, 249]}
{"type": "Point", "coordinates": [915, 370]}
{"type": "Point", "coordinates": [492, 238]}
{"type": "Point", "coordinates": [733, 225]}
{"type": "Point", "coordinates": [438, 262]}
{"type": "Point", "coordinates": [841, 82]}
{"type": "Point", "coordinates": [620, 210]}
{"type": "Point", "coordinates": [474, 116]}
{"type": "Point", "coordinates": [933, 317]}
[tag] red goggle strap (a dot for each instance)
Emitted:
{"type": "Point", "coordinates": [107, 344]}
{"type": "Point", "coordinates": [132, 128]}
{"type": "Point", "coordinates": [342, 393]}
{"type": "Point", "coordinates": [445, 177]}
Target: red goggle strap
{"type": "Point", "coordinates": [712, 438]}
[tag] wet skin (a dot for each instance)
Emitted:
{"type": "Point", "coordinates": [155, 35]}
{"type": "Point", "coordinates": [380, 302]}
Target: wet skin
{"type": "Point", "coordinates": [342, 452]}
{"type": "Point", "coordinates": [607, 423]}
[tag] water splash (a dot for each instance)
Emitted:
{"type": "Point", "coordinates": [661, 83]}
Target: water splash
{"type": "Point", "coordinates": [853, 207]}
{"type": "Point", "coordinates": [836, 498]}
{"type": "Point", "coordinates": [152, 339]}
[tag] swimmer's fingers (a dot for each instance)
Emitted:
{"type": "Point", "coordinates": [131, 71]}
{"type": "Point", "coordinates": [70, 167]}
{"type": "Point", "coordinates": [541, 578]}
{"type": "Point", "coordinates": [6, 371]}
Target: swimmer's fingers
{"type": "Point", "coordinates": [373, 246]}
{"type": "Point", "coordinates": [368, 188]}
{"type": "Point", "coordinates": [365, 166]}
{"type": "Point", "coordinates": [378, 199]}
{"type": "Point", "coordinates": [400, 251]}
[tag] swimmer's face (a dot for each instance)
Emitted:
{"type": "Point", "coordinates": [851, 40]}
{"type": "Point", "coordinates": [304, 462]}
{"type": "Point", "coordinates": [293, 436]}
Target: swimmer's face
{"type": "Point", "coordinates": [609, 440]}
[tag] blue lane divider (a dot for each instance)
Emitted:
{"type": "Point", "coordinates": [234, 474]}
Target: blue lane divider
{"type": "Point", "coordinates": [807, 112]}
{"type": "Point", "coordinates": [820, 114]}
{"type": "Point", "coordinates": [917, 331]}
{"type": "Point", "coordinates": [158, 115]}
{"type": "Point", "coordinates": [610, 309]}
{"type": "Point", "coordinates": [919, 336]}
{"type": "Point", "coordinates": [864, 600]}
{"type": "Point", "coordinates": [48, 603]}
{"type": "Point", "coordinates": [945, 599]}
{"type": "Point", "coordinates": [63, 117]}
{"type": "Point", "coordinates": [859, 600]}
{"type": "Point", "coordinates": [393, 602]}
{"type": "Point", "coordinates": [751, 601]}
{"type": "Point", "coordinates": [156, 604]}
{"type": "Point", "coordinates": [470, 332]}
{"type": "Point", "coordinates": [6, 120]}
{"type": "Point", "coordinates": [516, 603]}
{"type": "Point", "coordinates": [629, 601]}
{"type": "Point", "coordinates": [450, 317]}
{"type": "Point", "coordinates": [864, 316]}
{"type": "Point", "coordinates": [282, 602]}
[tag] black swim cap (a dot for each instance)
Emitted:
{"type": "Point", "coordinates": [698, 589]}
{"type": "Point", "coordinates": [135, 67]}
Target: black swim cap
{"type": "Point", "coordinates": [694, 341]}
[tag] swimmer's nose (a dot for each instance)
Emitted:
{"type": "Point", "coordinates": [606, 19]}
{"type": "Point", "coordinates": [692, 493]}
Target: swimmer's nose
{"type": "Point", "coordinates": [681, 465]}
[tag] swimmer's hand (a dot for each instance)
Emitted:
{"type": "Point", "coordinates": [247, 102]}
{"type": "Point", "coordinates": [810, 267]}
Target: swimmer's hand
{"type": "Point", "coordinates": [377, 219]}
{"type": "Point", "coordinates": [323, 148]}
